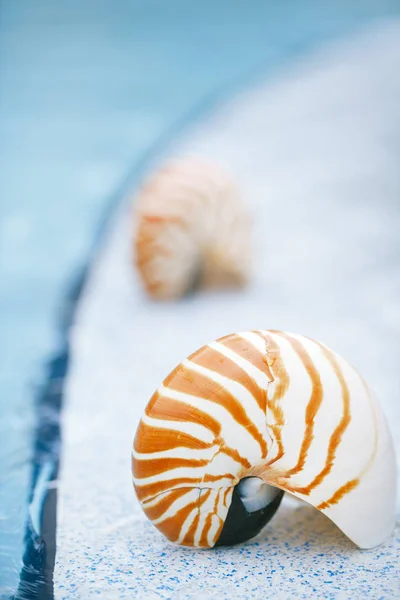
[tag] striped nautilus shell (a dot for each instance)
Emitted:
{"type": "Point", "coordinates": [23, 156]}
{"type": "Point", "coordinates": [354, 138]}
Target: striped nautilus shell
{"type": "Point", "coordinates": [190, 226]}
{"type": "Point", "coordinates": [253, 415]}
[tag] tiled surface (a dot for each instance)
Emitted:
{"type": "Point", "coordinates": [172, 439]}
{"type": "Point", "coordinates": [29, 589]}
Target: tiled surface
{"type": "Point", "coordinates": [316, 153]}
{"type": "Point", "coordinates": [86, 89]}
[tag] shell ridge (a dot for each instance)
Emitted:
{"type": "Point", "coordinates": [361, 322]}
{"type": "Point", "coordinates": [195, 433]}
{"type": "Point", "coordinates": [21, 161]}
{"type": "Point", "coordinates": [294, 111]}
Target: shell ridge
{"type": "Point", "coordinates": [337, 434]}
{"type": "Point", "coordinates": [313, 405]}
{"type": "Point", "coordinates": [280, 385]}
{"type": "Point", "coordinates": [240, 410]}
{"type": "Point", "coordinates": [260, 378]}
{"type": "Point", "coordinates": [372, 404]}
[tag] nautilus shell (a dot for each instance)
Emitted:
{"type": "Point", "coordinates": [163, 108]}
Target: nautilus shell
{"type": "Point", "coordinates": [253, 415]}
{"type": "Point", "coordinates": [191, 226]}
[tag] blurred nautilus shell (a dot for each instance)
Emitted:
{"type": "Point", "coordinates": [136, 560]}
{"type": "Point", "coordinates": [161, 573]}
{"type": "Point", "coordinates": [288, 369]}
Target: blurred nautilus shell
{"type": "Point", "coordinates": [190, 226]}
{"type": "Point", "coordinates": [253, 415]}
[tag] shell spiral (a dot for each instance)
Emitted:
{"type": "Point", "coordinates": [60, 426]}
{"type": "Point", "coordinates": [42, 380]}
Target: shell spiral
{"type": "Point", "coordinates": [280, 407]}
{"type": "Point", "coordinates": [191, 224]}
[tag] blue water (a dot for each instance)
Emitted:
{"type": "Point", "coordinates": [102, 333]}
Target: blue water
{"type": "Point", "coordinates": [87, 89]}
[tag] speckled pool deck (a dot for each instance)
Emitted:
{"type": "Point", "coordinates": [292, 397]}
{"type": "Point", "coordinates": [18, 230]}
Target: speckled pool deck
{"type": "Point", "coordinates": [316, 160]}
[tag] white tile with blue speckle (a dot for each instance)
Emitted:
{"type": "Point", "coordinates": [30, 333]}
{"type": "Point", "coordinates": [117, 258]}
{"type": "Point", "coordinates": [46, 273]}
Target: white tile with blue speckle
{"type": "Point", "coordinates": [316, 152]}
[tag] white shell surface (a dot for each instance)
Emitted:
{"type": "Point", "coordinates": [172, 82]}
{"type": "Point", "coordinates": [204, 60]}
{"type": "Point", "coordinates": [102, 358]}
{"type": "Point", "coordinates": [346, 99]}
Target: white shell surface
{"type": "Point", "coordinates": [274, 405]}
{"type": "Point", "coordinates": [364, 457]}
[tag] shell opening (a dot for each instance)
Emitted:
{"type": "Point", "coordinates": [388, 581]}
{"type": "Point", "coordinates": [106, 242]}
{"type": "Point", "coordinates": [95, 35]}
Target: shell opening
{"type": "Point", "coordinates": [255, 494]}
{"type": "Point", "coordinates": [254, 503]}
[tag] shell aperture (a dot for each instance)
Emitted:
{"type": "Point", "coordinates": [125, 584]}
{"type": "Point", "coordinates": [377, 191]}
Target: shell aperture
{"type": "Point", "coordinates": [255, 494]}
{"type": "Point", "coordinates": [253, 505]}
{"type": "Point", "coordinates": [255, 408]}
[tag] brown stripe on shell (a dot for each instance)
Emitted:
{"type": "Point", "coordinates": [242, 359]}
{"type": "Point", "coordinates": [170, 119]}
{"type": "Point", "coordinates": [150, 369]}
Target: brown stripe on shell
{"type": "Point", "coordinates": [154, 286]}
{"type": "Point", "coordinates": [225, 497]}
{"type": "Point", "coordinates": [204, 538]}
{"type": "Point", "coordinates": [188, 539]}
{"type": "Point", "coordinates": [246, 350]}
{"type": "Point", "coordinates": [173, 410]}
{"type": "Point", "coordinates": [188, 382]}
{"type": "Point", "coordinates": [221, 522]}
{"type": "Point", "coordinates": [338, 495]}
{"type": "Point", "coordinates": [147, 249]}
{"type": "Point", "coordinates": [217, 497]}
{"type": "Point", "coordinates": [233, 453]}
{"type": "Point", "coordinates": [168, 409]}
{"type": "Point", "coordinates": [147, 244]}
{"type": "Point", "coordinates": [314, 402]}
{"type": "Point", "coordinates": [281, 378]}
{"type": "Point", "coordinates": [218, 531]}
{"type": "Point", "coordinates": [142, 468]}
{"type": "Point", "coordinates": [150, 439]}
{"type": "Point", "coordinates": [151, 490]}
{"type": "Point", "coordinates": [154, 512]}
{"type": "Point", "coordinates": [172, 526]}
{"type": "Point", "coordinates": [212, 359]}
{"type": "Point", "coordinates": [337, 434]}
{"type": "Point", "coordinates": [274, 360]}
{"type": "Point", "coordinates": [277, 432]}
{"type": "Point", "coordinates": [203, 542]}
{"type": "Point", "coordinates": [162, 219]}
{"type": "Point", "coordinates": [211, 478]}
